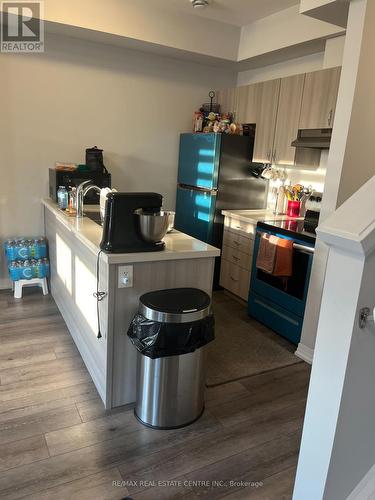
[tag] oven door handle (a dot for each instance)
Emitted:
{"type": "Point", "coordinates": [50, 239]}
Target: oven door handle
{"type": "Point", "coordinates": [297, 246]}
{"type": "Point", "coordinates": [303, 248]}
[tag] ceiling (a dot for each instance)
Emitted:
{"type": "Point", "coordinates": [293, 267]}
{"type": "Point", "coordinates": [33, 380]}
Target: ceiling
{"type": "Point", "coordinates": [237, 12]}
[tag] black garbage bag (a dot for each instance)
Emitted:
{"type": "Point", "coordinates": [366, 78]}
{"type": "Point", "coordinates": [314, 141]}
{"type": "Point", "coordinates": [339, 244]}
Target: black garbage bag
{"type": "Point", "coordinates": [158, 340]}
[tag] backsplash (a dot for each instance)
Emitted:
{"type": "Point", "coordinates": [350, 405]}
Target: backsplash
{"type": "Point", "coordinates": [314, 176]}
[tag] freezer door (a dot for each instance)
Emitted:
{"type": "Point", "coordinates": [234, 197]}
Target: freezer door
{"type": "Point", "coordinates": [195, 213]}
{"type": "Point", "coordinates": [199, 160]}
{"type": "Point", "coordinates": [238, 190]}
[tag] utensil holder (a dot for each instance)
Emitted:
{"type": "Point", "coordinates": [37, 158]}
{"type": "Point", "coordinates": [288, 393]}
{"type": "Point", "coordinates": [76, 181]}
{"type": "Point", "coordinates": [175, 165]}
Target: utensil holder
{"type": "Point", "coordinates": [294, 208]}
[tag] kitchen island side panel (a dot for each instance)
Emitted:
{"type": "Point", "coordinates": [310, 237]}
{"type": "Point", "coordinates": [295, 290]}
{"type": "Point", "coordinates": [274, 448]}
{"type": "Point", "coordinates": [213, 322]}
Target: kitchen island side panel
{"type": "Point", "coordinates": [148, 276]}
{"type": "Point", "coordinates": [73, 282]}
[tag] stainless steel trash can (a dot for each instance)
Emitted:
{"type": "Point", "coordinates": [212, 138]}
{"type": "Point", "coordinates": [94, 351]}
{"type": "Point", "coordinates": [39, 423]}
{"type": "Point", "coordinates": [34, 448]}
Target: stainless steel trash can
{"type": "Point", "coordinates": [171, 369]}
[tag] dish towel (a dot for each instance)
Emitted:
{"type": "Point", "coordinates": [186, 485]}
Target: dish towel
{"type": "Point", "coordinates": [275, 256]}
{"type": "Point", "coordinates": [266, 257]}
{"type": "Point", "coordinates": [284, 258]}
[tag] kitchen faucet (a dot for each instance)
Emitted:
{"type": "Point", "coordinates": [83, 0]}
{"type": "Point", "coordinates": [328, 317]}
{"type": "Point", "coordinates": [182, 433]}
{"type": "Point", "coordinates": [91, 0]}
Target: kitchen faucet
{"type": "Point", "coordinates": [82, 191]}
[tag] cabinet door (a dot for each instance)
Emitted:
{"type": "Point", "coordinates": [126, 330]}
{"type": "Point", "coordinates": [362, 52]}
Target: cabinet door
{"type": "Point", "coordinates": [247, 108]}
{"type": "Point", "coordinates": [289, 109]}
{"type": "Point", "coordinates": [267, 97]}
{"type": "Point", "coordinates": [235, 279]}
{"type": "Point", "coordinates": [319, 98]}
{"type": "Point", "coordinates": [228, 100]}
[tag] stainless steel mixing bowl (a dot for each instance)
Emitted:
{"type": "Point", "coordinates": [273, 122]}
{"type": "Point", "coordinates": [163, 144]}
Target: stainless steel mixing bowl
{"type": "Point", "coordinates": [153, 226]}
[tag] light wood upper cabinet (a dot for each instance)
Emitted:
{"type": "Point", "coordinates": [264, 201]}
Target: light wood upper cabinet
{"type": "Point", "coordinates": [319, 98]}
{"type": "Point", "coordinates": [228, 100]}
{"type": "Point", "coordinates": [279, 108]}
{"type": "Point", "coordinates": [288, 115]}
{"type": "Point", "coordinates": [266, 97]}
{"type": "Point", "coordinates": [247, 109]}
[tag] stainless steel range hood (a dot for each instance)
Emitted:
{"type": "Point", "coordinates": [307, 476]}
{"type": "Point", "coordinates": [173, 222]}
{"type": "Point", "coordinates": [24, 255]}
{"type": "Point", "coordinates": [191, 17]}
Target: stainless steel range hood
{"type": "Point", "coordinates": [313, 138]}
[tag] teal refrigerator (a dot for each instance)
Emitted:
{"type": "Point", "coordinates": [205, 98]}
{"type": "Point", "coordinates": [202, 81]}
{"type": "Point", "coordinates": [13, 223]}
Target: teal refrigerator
{"type": "Point", "coordinates": [214, 175]}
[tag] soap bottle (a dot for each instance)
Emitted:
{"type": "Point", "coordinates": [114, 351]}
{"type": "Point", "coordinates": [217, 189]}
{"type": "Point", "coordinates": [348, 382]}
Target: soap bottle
{"type": "Point", "coordinates": [72, 209]}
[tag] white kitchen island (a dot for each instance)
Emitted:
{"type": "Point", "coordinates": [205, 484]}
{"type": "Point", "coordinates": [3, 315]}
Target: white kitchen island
{"type": "Point", "coordinates": [73, 250]}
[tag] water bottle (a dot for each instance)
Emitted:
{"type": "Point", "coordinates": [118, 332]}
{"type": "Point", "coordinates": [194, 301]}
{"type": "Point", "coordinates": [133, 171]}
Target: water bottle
{"type": "Point", "coordinates": [62, 197]}
{"type": "Point", "coordinates": [46, 268]}
{"type": "Point", "coordinates": [32, 249]}
{"type": "Point", "coordinates": [39, 269]}
{"type": "Point", "coordinates": [34, 270]}
{"type": "Point", "coordinates": [22, 251]}
{"type": "Point", "coordinates": [10, 250]}
{"type": "Point", "coordinates": [26, 270]}
{"type": "Point", "coordinates": [14, 271]}
{"type": "Point", "coordinates": [42, 248]}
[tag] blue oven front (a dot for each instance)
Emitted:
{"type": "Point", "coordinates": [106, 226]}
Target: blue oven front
{"type": "Point", "coordinates": [279, 302]}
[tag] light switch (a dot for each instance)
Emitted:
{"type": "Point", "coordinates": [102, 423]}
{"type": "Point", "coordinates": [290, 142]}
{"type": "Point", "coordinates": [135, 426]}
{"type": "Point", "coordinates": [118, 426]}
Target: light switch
{"type": "Point", "coordinates": [125, 276]}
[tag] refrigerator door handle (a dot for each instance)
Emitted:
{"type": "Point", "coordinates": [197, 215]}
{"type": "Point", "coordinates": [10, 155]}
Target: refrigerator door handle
{"type": "Point", "coordinates": [212, 192]}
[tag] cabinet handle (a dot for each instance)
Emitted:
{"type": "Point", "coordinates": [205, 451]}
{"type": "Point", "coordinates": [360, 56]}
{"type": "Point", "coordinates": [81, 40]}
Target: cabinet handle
{"type": "Point", "coordinates": [274, 156]}
{"type": "Point", "coordinates": [330, 117]}
{"type": "Point", "coordinates": [236, 243]}
{"type": "Point", "coordinates": [269, 155]}
{"type": "Point", "coordinates": [238, 227]}
{"type": "Point", "coordinates": [233, 279]}
{"type": "Point", "coordinates": [235, 258]}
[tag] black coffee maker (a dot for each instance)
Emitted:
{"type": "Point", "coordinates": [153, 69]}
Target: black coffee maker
{"type": "Point", "coordinates": [121, 231]}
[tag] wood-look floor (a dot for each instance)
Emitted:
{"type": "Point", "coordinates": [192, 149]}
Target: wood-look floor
{"type": "Point", "coordinates": [57, 441]}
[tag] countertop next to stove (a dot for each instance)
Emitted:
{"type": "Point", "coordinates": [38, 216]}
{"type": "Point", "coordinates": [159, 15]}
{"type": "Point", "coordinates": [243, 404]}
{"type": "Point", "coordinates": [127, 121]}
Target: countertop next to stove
{"type": "Point", "coordinates": [255, 216]}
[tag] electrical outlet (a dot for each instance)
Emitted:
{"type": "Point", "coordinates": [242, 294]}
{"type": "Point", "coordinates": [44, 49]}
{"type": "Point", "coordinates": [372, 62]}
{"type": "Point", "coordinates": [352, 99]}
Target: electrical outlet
{"type": "Point", "coordinates": [125, 276]}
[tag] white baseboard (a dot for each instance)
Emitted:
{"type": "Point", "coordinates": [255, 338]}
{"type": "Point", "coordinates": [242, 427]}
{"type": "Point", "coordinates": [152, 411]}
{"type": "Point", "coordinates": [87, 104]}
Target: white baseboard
{"type": "Point", "coordinates": [305, 353]}
{"type": "Point", "coordinates": [365, 488]}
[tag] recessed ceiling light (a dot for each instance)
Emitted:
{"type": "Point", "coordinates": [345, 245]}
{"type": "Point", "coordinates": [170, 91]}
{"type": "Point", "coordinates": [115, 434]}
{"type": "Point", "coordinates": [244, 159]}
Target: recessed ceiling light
{"type": "Point", "coordinates": [199, 4]}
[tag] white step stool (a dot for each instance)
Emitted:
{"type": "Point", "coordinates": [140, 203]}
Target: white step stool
{"type": "Point", "coordinates": [18, 285]}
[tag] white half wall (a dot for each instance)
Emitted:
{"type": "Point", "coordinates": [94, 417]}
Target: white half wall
{"type": "Point", "coordinates": [349, 165]}
{"type": "Point", "coordinates": [338, 441]}
{"type": "Point", "coordinates": [79, 94]}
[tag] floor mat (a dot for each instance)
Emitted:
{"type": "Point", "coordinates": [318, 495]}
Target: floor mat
{"type": "Point", "coordinates": [243, 347]}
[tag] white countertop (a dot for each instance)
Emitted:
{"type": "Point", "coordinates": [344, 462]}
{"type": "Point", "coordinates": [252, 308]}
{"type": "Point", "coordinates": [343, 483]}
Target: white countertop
{"type": "Point", "coordinates": [255, 216]}
{"type": "Point", "coordinates": [177, 245]}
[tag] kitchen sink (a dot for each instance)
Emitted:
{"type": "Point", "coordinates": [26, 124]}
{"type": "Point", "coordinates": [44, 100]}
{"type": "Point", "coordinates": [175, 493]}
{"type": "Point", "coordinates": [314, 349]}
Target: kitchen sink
{"type": "Point", "coordinates": [94, 216]}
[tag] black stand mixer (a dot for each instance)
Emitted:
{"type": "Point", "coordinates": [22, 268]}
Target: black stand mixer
{"type": "Point", "coordinates": [134, 222]}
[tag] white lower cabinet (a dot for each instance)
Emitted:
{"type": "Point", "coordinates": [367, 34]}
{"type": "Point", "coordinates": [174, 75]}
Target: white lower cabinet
{"type": "Point", "coordinates": [237, 255]}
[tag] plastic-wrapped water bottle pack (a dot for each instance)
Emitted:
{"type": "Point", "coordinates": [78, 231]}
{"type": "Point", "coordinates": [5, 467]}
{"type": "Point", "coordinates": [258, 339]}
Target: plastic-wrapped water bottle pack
{"type": "Point", "coordinates": [27, 258]}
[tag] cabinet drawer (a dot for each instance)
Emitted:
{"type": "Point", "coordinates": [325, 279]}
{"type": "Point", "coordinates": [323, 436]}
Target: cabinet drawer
{"type": "Point", "coordinates": [237, 241]}
{"type": "Point", "coordinates": [235, 256]}
{"type": "Point", "coordinates": [245, 229]}
{"type": "Point", "coordinates": [235, 279]}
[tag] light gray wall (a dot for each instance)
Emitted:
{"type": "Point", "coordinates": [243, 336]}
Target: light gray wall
{"type": "Point", "coordinates": [79, 94]}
